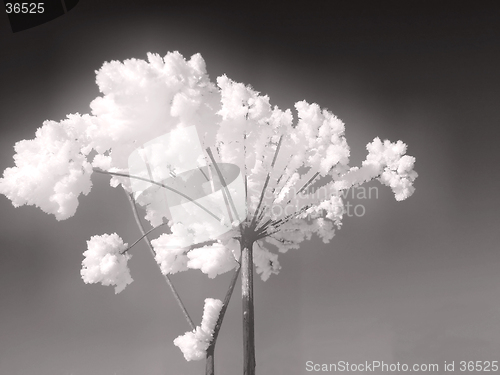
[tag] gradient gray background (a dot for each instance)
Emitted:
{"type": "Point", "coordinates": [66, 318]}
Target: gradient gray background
{"type": "Point", "coordinates": [414, 281]}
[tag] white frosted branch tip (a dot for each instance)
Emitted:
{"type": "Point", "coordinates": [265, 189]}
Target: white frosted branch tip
{"type": "Point", "coordinates": [194, 344]}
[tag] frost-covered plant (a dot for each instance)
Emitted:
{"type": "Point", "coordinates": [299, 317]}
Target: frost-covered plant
{"type": "Point", "coordinates": [106, 263]}
{"type": "Point", "coordinates": [194, 344]}
{"type": "Point", "coordinates": [294, 172]}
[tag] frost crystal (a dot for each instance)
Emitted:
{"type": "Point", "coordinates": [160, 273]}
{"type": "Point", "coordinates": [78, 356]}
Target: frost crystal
{"type": "Point", "coordinates": [104, 263]}
{"type": "Point", "coordinates": [194, 344]}
{"type": "Point", "coordinates": [213, 259]}
{"type": "Point", "coordinates": [266, 263]}
{"type": "Point", "coordinates": [51, 170]}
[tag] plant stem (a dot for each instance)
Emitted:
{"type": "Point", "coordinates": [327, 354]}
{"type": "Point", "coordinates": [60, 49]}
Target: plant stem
{"type": "Point", "coordinates": [167, 279]}
{"type": "Point", "coordinates": [225, 190]}
{"type": "Point", "coordinates": [210, 359]}
{"type": "Point", "coordinates": [140, 238]}
{"type": "Point", "coordinates": [266, 182]}
{"type": "Point", "coordinates": [248, 308]}
{"type": "Point", "coordinates": [162, 185]}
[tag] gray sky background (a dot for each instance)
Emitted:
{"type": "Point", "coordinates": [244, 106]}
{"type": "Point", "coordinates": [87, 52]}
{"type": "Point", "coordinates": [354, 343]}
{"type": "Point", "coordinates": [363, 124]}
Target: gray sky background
{"type": "Point", "coordinates": [413, 282]}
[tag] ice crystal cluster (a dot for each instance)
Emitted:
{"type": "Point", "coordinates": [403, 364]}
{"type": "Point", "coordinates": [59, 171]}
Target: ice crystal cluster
{"type": "Point", "coordinates": [106, 263]}
{"type": "Point", "coordinates": [293, 169]}
{"type": "Point", "coordinates": [194, 344]}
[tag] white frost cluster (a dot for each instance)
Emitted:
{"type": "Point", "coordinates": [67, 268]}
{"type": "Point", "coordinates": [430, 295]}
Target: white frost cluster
{"type": "Point", "coordinates": [171, 249]}
{"type": "Point", "coordinates": [213, 260]}
{"type": "Point", "coordinates": [387, 162]}
{"type": "Point", "coordinates": [266, 262]}
{"type": "Point", "coordinates": [104, 262]}
{"type": "Point", "coordinates": [194, 344]}
{"type": "Point", "coordinates": [175, 254]}
{"type": "Point", "coordinates": [280, 157]}
{"type": "Point", "coordinates": [397, 167]}
{"type": "Point", "coordinates": [51, 170]}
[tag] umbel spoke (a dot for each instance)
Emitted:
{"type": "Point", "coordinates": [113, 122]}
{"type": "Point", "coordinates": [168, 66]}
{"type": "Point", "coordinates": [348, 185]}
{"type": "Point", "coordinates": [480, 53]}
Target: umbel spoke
{"type": "Point", "coordinates": [163, 186]}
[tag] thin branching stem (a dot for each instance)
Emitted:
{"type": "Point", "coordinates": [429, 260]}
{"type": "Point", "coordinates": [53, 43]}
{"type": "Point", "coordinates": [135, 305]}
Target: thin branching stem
{"type": "Point", "coordinates": [223, 182]}
{"type": "Point", "coordinates": [261, 215]}
{"type": "Point", "coordinates": [279, 180]}
{"type": "Point", "coordinates": [266, 182]}
{"type": "Point", "coordinates": [210, 364]}
{"type": "Point", "coordinates": [305, 186]}
{"type": "Point", "coordinates": [162, 185]}
{"type": "Point", "coordinates": [167, 279]}
{"type": "Point", "coordinates": [280, 222]}
{"type": "Point", "coordinates": [245, 164]}
{"type": "Point", "coordinates": [262, 232]}
{"type": "Point", "coordinates": [140, 238]}
{"type": "Point", "coordinates": [283, 174]}
{"type": "Point", "coordinates": [227, 298]}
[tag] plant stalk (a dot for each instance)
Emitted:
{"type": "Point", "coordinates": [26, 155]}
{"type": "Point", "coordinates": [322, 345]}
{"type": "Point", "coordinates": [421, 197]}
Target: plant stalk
{"type": "Point", "coordinates": [167, 279]}
{"type": "Point", "coordinates": [247, 304]}
{"type": "Point", "coordinates": [210, 357]}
